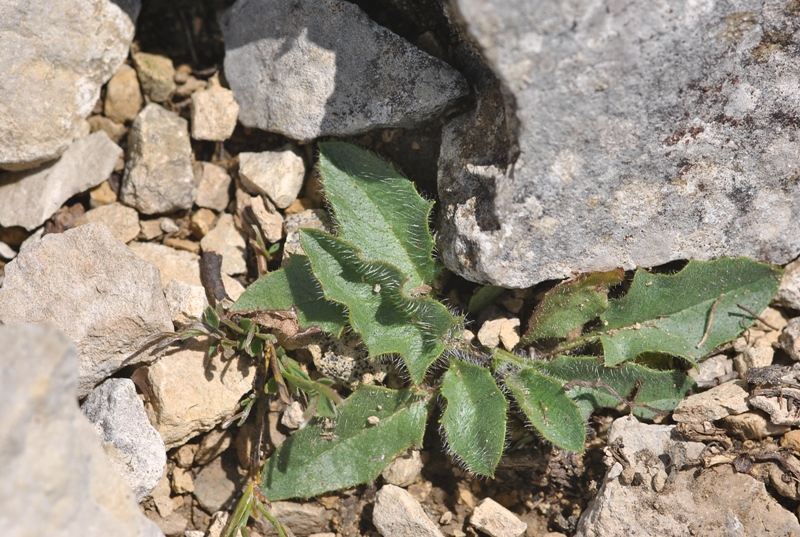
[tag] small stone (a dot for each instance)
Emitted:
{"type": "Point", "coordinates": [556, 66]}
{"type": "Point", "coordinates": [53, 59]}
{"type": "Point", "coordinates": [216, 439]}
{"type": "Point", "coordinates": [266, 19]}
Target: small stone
{"type": "Point", "coordinates": [182, 73]}
{"type": "Point", "coordinates": [466, 498]}
{"type": "Point", "coordinates": [217, 484]}
{"type": "Point", "coordinates": [156, 75]}
{"type": "Point", "coordinates": [753, 357]}
{"type": "Point", "coordinates": [791, 440]}
{"type": "Point", "coordinates": [193, 533]}
{"type": "Point", "coordinates": [158, 174]}
{"type": "Point", "coordinates": [184, 456]}
{"type": "Point", "coordinates": [397, 513]}
{"type": "Point", "coordinates": [173, 526]}
{"type": "Point", "coordinates": [789, 289]}
{"type": "Point", "coordinates": [172, 264]}
{"type": "Point", "coordinates": [213, 184]}
{"type": "Point", "coordinates": [752, 426]}
{"type": "Point", "coordinates": [218, 522]}
{"type": "Point", "coordinates": [168, 225]}
{"type": "Point", "coordinates": [149, 229]}
{"type": "Point", "coordinates": [780, 413]}
{"type": "Point", "coordinates": [509, 333]}
{"type": "Point", "coordinates": [710, 370]}
{"type": "Point", "coordinates": [113, 130]}
{"type": "Point", "coordinates": [299, 205]}
{"type": "Point", "coordinates": [718, 402]}
{"type": "Point", "coordinates": [30, 197]}
{"type": "Point", "coordinates": [123, 95]}
{"type": "Point", "coordinates": [277, 174]}
{"type": "Point", "coordinates": [404, 469]}
{"type": "Point", "coordinates": [232, 287]}
{"type": "Point", "coordinates": [182, 481]}
{"type": "Point", "coordinates": [214, 114]}
{"type": "Point", "coordinates": [160, 496]}
{"type": "Point", "coordinates": [446, 518]}
{"type": "Point", "coordinates": [489, 333]}
{"type": "Point", "coordinates": [182, 244]}
{"type": "Point", "coordinates": [269, 219]}
{"type": "Point", "coordinates": [122, 221]}
{"type": "Point", "coordinates": [213, 444]}
{"type": "Point", "coordinates": [186, 303]}
{"type": "Point", "coordinates": [101, 195]}
{"type": "Point", "coordinates": [7, 252]}
{"type": "Point", "coordinates": [202, 222]}
{"type": "Point", "coordinates": [292, 417]}
{"type": "Point", "coordinates": [310, 219]}
{"type": "Point", "coordinates": [301, 518]}
{"type": "Point", "coordinates": [790, 339]}
{"type": "Point", "coordinates": [322, 535]}
{"type": "Point", "coordinates": [495, 520]}
{"type": "Point", "coordinates": [226, 240]}
{"type": "Point", "coordinates": [191, 85]}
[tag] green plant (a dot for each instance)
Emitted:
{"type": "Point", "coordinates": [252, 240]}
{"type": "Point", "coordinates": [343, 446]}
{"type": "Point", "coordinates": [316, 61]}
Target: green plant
{"type": "Point", "coordinates": [375, 275]}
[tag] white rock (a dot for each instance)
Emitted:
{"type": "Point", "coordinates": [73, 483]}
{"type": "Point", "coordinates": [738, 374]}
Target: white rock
{"type": "Point", "coordinates": [276, 174]}
{"type": "Point", "coordinates": [495, 520]}
{"type": "Point", "coordinates": [227, 241]}
{"type": "Point", "coordinates": [213, 183]}
{"type": "Point", "coordinates": [509, 333]}
{"type": "Point", "coordinates": [122, 221]}
{"type": "Point", "coordinates": [30, 197]}
{"type": "Point", "coordinates": [404, 469]}
{"type": "Point", "coordinates": [789, 289]}
{"type": "Point", "coordinates": [398, 514]}
{"type": "Point", "coordinates": [489, 333]}
{"type": "Point", "coordinates": [104, 298]}
{"type": "Point", "coordinates": [218, 522]}
{"type": "Point", "coordinates": [753, 425]}
{"type": "Point", "coordinates": [161, 497]}
{"type": "Point", "coordinates": [56, 478]}
{"type": "Point", "coordinates": [716, 403]}
{"type": "Point", "coordinates": [711, 369]}
{"type": "Point", "coordinates": [7, 252]}
{"type": "Point", "coordinates": [123, 95]}
{"type": "Point", "coordinates": [292, 417]}
{"type": "Point", "coordinates": [321, 83]}
{"type": "Point", "coordinates": [790, 339]}
{"type": "Point", "coordinates": [308, 219]}
{"type": "Point", "coordinates": [753, 357]}
{"type": "Point", "coordinates": [133, 446]}
{"type": "Point", "coordinates": [214, 114]}
{"type": "Point", "coordinates": [189, 398]}
{"type": "Point", "coordinates": [158, 173]}
{"type": "Point", "coordinates": [172, 264]}
{"type": "Point", "coordinates": [186, 302]}
{"type": "Point", "coordinates": [270, 221]}
{"type": "Point", "coordinates": [55, 56]}
{"type": "Point", "coordinates": [182, 481]}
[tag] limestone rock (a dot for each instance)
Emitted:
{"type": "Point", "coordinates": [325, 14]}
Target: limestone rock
{"type": "Point", "coordinates": [122, 221]}
{"type": "Point", "coordinates": [621, 138]}
{"type": "Point", "coordinates": [217, 484]}
{"type": "Point", "coordinates": [186, 302]}
{"type": "Point", "coordinates": [91, 286]}
{"type": "Point", "coordinates": [789, 290]}
{"type": "Point", "coordinates": [133, 446]}
{"type": "Point", "coordinates": [156, 74]}
{"type": "Point", "coordinates": [123, 95]}
{"type": "Point", "coordinates": [226, 240]}
{"type": "Point", "coordinates": [718, 402]}
{"type": "Point", "coordinates": [172, 264]}
{"type": "Point", "coordinates": [301, 518]}
{"type": "Point", "coordinates": [213, 183]}
{"type": "Point", "coordinates": [158, 174]}
{"type": "Point", "coordinates": [56, 478]}
{"type": "Point", "coordinates": [404, 469]}
{"type": "Point", "coordinates": [113, 130]}
{"type": "Point", "coordinates": [55, 56]}
{"type": "Point", "coordinates": [308, 219]}
{"type": "Point", "coordinates": [277, 174]}
{"type": "Point", "coordinates": [753, 425]}
{"type": "Point", "coordinates": [790, 339]}
{"type": "Point", "coordinates": [270, 221]}
{"type": "Point", "coordinates": [398, 514]}
{"type": "Point", "coordinates": [496, 521]}
{"type": "Point", "coordinates": [320, 83]}
{"type": "Point", "coordinates": [214, 114]}
{"type": "Point", "coordinates": [30, 197]}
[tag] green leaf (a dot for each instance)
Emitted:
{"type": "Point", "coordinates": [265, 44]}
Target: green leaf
{"type": "Point", "coordinates": [484, 297]}
{"type": "Point", "coordinates": [687, 314]}
{"type": "Point", "coordinates": [378, 210]}
{"type": "Point", "coordinates": [293, 286]}
{"type": "Point", "coordinates": [475, 418]}
{"type": "Point", "coordinates": [571, 304]}
{"type": "Point", "coordinates": [374, 426]}
{"type": "Point", "coordinates": [388, 321]}
{"type": "Point", "coordinates": [662, 390]}
{"type": "Point", "coordinates": [548, 408]}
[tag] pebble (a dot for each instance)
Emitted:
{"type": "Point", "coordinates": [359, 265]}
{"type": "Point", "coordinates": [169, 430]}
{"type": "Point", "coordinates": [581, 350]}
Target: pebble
{"type": "Point", "coordinates": [57, 480]}
{"type": "Point", "coordinates": [217, 484]}
{"type": "Point", "coordinates": [160, 496]}
{"type": "Point", "coordinates": [495, 331]}
{"type": "Point", "coordinates": [149, 229]}
{"type": "Point", "coordinates": [276, 174]}
{"type": "Point", "coordinates": [214, 113]}
{"type": "Point", "coordinates": [268, 218]}
{"type": "Point", "coordinates": [186, 302]}
{"type": "Point", "coordinates": [184, 455]}
{"type": "Point", "coordinates": [720, 401]}
{"type": "Point", "coordinates": [158, 175]}
{"type": "Point", "coordinates": [310, 219]}
{"type": "Point", "coordinates": [710, 370]}
{"type": "Point", "coordinates": [202, 222]}
{"type": "Point", "coordinates": [753, 357]}
{"type": "Point", "coordinates": [789, 289]}
{"type": "Point", "coordinates": [173, 525]}
{"type": "Point", "coordinates": [113, 130]}
{"type": "Point", "coordinates": [398, 514]}
{"type": "Point", "coordinates": [752, 425]}
{"type": "Point", "coordinates": [122, 221]}
{"type": "Point", "coordinates": [779, 412]}
{"type": "Point", "coordinates": [226, 240]}
{"type": "Point", "coordinates": [189, 87]}
{"type": "Point", "coordinates": [172, 264]}
{"type": "Point", "coordinates": [404, 469]}
{"type": "Point", "coordinates": [213, 185]}
{"type": "Point", "coordinates": [7, 252]}
{"type": "Point", "coordinates": [292, 417]}
{"type": "Point", "coordinates": [495, 520]}
{"type": "Point", "coordinates": [301, 518]}
{"type": "Point", "coordinates": [132, 445]}
{"type": "Point", "coordinates": [790, 339]}
{"type": "Point", "coordinates": [182, 481]}
{"type": "Point", "coordinates": [182, 244]}
{"type": "Point", "coordinates": [84, 165]}
{"type": "Point", "coordinates": [72, 280]}
{"type": "Point", "coordinates": [123, 95]}
{"type": "Point", "coordinates": [156, 75]}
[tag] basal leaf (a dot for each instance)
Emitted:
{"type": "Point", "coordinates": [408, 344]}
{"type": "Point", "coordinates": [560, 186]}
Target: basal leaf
{"type": "Point", "coordinates": [387, 320]}
{"type": "Point", "coordinates": [661, 390]}
{"type": "Point", "coordinates": [374, 426]}
{"type": "Point", "coordinates": [548, 408]}
{"type": "Point", "coordinates": [475, 418]}
{"type": "Point", "coordinates": [571, 304]}
{"type": "Point", "coordinates": [294, 286]}
{"type": "Point", "coordinates": [378, 210]}
{"type": "Point", "coordinates": [687, 314]}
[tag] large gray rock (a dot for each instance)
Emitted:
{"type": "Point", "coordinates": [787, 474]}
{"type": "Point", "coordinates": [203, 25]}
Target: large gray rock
{"type": "Point", "coordinates": [636, 134]}
{"type": "Point", "coordinates": [30, 197]}
{"type": "Point", "coordinates": [91, 286]}
{"type": "Point", "coordinates": [133, 446]}
{"type": "Point", "coordinates": [54, 57]}
{"type": "Point", "coordinates": [306, 69]}
{"type": "Point", "coordinates": [158, 174]}
{"type": "Point", "coordinates": [56, 479]}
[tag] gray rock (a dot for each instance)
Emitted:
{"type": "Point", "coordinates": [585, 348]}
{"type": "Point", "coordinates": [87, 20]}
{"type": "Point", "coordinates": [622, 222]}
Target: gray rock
{"type": "Point", "coordinates": [496, 521]}
{"type": "Point", "coordinates": [122, 221]}
{"type": "Point", "coordinates": [115, 131]}
{"type": "Point", "coordinates": [790, 339]}
{"type": "Point", "coordinates": [123, 95]}
{"type": "Point", "coordinates": [214, 113]}
{"type": "Point", "coordinates": [777, 406]}
{"type": "Point", "coordinates": [714, 502]}
{"type": "Point", "coordinates": [52, 461]}
{"type": "Point", "coordinates": [133, 446]}
{"type": "Point", "coordinates": [55, 56]}
{"type": "Point", "coordinates": [404, 469]}
{"type": "Point", "coordinates": [217, 484]}
{"type": "Point", "coordinates": [156, 74]}
{"type": "Point", "coordinates": [718, 402]}
{"type": "Point", "coordinates": [789, 290]}
{"type": "Point", "coordinates": [308, 219]}
{"type": "Point", "coordinates": [276, 174]}
{"type": "Point", "coordinates": [30, 197]}
{"type": "Point", "coordinates": [622, 137]}
{"type": "Point", "coordinates": [226, 240]}
{"type": "Point", "coordinates": [711, 370]}
{"type": "Point", "coordinates": [91, 286]}
{"type": "Point", "coordinates": [398, 514]}
{"type": "Point", "coordinates": [213, 183]}
{"type": "Point", "coordinates": [301, 518]}
{"type": "Point", "coordinates": [158, 174]}
{"type": "Point", "coordinates": [307, 69]}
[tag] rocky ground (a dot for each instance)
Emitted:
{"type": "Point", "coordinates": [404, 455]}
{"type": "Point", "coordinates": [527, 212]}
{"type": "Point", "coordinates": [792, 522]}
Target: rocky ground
{"type": "Point", "coordinates": [140, 137]}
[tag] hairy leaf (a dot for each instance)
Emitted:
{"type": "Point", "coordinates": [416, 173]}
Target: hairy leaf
{"type": "Point", "coordinates": [571, 304]}
{"type": "Point", "coordinates": [374, 426]}
{"type": "Point", "coordinates": [661, 390]}
{"type": "Point", "coordinates": [294, 286]}
{"type": "Point", "coordinates": [387, 321]}
{"type": "Point", "coordinates": [548, 408]}
{"type": "Point", "coordinates": [687, 314]}
{"type": "Point", "coordinates": [378, 210]}
{"type": "Point", "coordinates": [475, 418]}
